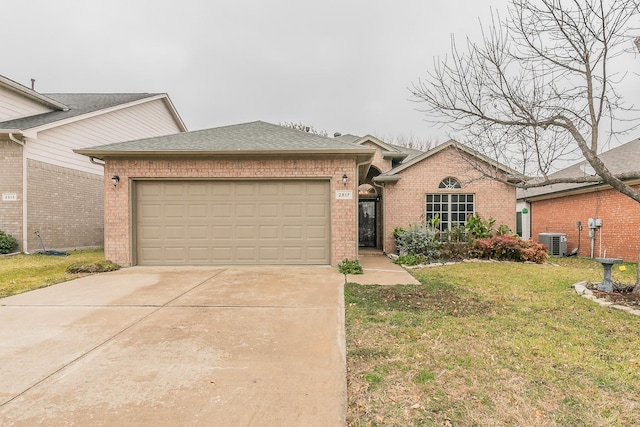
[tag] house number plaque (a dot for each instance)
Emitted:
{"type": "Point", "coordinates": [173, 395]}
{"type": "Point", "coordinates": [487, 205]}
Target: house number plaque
{"type": "Point", "coordinates": [9, 197]}
{"type": "Point", "coordinates": [344, 194]}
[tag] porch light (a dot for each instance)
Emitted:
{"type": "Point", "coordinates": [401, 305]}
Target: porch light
{"type": "Point", "coordinates": [115, 179]}
{"type": "Point", "coordinates": [344, 179]}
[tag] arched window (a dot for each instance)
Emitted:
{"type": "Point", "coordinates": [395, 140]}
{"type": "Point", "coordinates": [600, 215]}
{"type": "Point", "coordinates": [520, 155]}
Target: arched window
{"type": "Point", "coordinates": [367, 190]}
{"type": "Point", "coordinates": [449, 183]}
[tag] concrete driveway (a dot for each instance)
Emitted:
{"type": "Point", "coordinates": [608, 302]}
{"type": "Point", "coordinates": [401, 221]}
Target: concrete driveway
{"type": "Point", "coordinates": [236, 346]}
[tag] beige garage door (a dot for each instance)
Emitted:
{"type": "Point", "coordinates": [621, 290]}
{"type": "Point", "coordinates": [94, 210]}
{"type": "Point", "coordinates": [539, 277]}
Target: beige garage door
{"type": "Point", "coordinates": [232, 222]}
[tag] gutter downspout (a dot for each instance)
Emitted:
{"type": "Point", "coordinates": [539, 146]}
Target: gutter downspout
{"type": "Point", "coordinates": [24, 193]}
{"type": "Point", "coordinates": [93, 160]}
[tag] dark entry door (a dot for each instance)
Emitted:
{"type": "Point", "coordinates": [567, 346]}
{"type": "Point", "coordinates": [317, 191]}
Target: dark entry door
{"type": "Point", "coordinates": [367, 223]}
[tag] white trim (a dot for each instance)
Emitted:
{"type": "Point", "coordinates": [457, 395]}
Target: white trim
{"type": "Point", "coordinates": [32, 94]}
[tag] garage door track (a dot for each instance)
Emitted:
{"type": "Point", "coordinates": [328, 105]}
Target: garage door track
{"type": "Point", "coordinates": [228, 346]}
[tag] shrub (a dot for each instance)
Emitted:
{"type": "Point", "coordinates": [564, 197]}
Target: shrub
{"type": "Point", "coordinates": [454, 250]}
{"type": "Point", "coordinates": [92, 267]}
{"type": "Point", "coordinates": [411, 260]}
{"type": "Point", "coordinates": [478, 228]}
{"type": "Point", "coordinates": [509, 248]}
{"type": "Point", "coordinates": [7, 243]}
{"type": "Point", "coordinates": [418, 240]}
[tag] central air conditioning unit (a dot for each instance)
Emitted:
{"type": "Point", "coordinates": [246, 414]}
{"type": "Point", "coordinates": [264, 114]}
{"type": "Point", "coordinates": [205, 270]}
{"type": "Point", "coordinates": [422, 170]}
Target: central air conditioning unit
{"type": "Point", "coordinates": [556, 242]}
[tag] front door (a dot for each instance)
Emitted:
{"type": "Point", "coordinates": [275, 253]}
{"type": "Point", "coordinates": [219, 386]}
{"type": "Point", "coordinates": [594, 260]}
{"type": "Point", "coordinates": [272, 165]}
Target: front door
{"type": "Point", "coordinates": [367, 224]}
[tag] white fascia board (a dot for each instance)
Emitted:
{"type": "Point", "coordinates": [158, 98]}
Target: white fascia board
{"type": "Point", "coordinates": [32, 94]}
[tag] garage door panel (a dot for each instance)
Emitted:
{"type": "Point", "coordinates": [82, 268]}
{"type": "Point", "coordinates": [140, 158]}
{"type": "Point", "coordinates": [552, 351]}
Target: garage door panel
{"type": "Point", "coordinates": [293, 255]}
{"type": "Point", "coordinates": [233, 222]}
{"type": "Point", "coordinates": [174, 190]}
{"type": "Point", "coordinates": [270, 254]}
{"type": "Point", "coordinates": [245, 210]}
{"type": "Point", "coordinates": [198, 254]}
{"type": "Point", "coordinates": [317, 252]}
{"type": "Point", "coordinates": [221, 232]}
{"type": "Point", "coordinates": [246, 232]}
{"type": "Point", "coordinates": [269, 210]}
{"type": "Point", "coordinates": [317, 232]}
{"type": "Point", "coordinates": [150, 211]}
{"type": "Point", "coordinates": [294, 189]}
{"type": "Point", "coordinates": [222, 210]}
{"type": "Point", "coordinates": [200, 211]}
{"type": "Point", "coordinates": [173, 211]}
{"type": "Point", "coordinates": [175, 254]}
{"type": "Point", "coordinates": [175, 232]}
{"type": "Point", "coordinates": [292, 232]}
{"type": "Point", "coordinates": [198, 232]}
{"type": "Point", "coordinates": [269, 232]}
{"type": "Point", "coordinates": [246, 253]}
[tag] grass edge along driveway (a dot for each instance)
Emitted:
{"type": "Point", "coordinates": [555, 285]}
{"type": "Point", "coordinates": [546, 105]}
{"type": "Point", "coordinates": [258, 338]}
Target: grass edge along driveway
{"type": "Point", "coordinates": [492, 344]}
{"type": "Point", "coordinates": [23, 273]}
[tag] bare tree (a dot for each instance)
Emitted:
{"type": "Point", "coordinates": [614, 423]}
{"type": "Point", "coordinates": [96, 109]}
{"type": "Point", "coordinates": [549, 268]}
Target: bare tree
{"type": "Point", "coordinates": [540, 87]}
{"type": "Point", "coordinates": [305, 128]}
{"type": "Point", "coordinates": [409, 141]}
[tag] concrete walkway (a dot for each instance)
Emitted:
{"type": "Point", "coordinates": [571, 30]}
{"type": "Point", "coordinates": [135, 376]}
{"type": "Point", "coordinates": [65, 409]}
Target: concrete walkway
{"type": "Point", "coordinates": [239, 346]}
{"type": "Point", "coordinates": [379, 270]}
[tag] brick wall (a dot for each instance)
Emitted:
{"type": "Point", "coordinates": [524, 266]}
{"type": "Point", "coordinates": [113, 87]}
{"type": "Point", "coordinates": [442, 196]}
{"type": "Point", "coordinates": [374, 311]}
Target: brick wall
{"type": "Point", "coordinates": [119, 200]}
{"type": "Point", "coordinates": [620, 216]}
{"type": "Point", "coordinates": [404, 202]}
{"type": "Point", "coordinates": [65, 206]}
{"type": "Point", "coordinates": [11, 182]}
{"type": "Point", "coordinates": [378, 161]}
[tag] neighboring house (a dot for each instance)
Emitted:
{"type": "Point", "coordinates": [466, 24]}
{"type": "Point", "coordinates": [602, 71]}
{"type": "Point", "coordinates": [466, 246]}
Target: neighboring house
{"type": "Point", "coordinates": [567, 208]}
{"type": "Point", "coordinates": [258, 193]}
{"type": "Point", "coordinates": [45, 186]}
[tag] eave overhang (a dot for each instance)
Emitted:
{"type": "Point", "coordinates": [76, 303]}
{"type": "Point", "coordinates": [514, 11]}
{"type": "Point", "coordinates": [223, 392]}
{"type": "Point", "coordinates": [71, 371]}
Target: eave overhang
{"type": "Point", "coordinates": [387, 178]}
{"type": "Point", "coordinates": [573, 191]}
{"type": "Point", "coordinates": [360, 155]}
{"type": "Point", "coordinates": [394, 155]}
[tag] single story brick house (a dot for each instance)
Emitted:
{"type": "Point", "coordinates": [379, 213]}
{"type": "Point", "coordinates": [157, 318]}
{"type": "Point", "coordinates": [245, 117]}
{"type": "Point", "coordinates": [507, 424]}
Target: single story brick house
{"type": "Point", "coordinates": [259, 193]}
{"type": "Point", "coordinates": [47, 188]}
{"type": "Point", "coordinates": [567, 208]}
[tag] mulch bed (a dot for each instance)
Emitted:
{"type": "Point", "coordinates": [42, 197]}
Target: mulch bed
{"type": "Point", "coordinates": [622, 294]}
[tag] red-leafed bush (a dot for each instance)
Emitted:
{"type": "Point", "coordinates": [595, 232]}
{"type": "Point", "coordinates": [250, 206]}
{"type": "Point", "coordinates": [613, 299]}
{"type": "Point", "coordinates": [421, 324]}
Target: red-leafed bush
{"type": "Point", "coordinates": [509, 248]}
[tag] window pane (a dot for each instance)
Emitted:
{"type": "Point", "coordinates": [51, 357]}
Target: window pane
{"type": "Point", "coordinates": [454, 198]}
{"type": "Point", "coordinates": [445, 198]}
{"type": "Point", "coordinates": [429, 198]}
{"type": "Point", "coordinates": [470, 208]}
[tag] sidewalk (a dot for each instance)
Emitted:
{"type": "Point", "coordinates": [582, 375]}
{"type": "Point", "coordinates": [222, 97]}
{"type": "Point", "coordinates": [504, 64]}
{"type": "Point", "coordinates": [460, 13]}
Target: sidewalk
{"type": "Point", "coordinates": [379, 270]}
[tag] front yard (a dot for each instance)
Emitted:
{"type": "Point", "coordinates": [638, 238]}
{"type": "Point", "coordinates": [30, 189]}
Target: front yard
{"type": "Point", "coordinates": [22, 273]}
{"type": "Point", "coordinates": [502, 344]}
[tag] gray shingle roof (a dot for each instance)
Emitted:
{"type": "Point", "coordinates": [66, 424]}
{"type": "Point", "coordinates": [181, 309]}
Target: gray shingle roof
{"type": "Point", "coordinates": [78, 103]}
{"type": "Point", "coordinates": [242, 138]}
{"type": "Point", "coordinates": [622, 159]}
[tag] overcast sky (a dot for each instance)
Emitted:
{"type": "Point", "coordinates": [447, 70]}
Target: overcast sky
{"type": "Point", "coordinates": [339, 65]}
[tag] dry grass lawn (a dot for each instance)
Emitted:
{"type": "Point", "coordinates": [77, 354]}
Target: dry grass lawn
{"type": "Point", "coordinates": [492, 344]}
{"type": "Point", "coordinates": [22, 273]}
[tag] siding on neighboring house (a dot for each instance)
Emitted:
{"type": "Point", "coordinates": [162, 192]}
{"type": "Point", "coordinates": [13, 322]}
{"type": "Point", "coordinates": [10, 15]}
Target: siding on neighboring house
{"type": "Point", "coordinates": [11, 183]}
{"type": "Point", "coordinates": [405, 201]}
{"type": "Point", "coordinates": [14, 105]}
{"type": "Point", "coordinates": [55, 145]}
{"type": "Point", "coordinates": [620, 237]}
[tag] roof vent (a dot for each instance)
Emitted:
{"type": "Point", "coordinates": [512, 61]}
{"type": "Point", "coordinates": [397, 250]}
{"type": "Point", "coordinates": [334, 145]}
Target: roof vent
{"type": "Point", "coordinates": [337, 134]}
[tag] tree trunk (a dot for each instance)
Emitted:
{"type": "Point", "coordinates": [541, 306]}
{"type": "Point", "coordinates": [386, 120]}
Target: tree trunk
{"type": "Point", "coordinates": [636, 289]}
